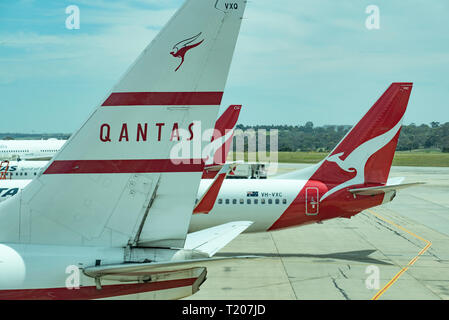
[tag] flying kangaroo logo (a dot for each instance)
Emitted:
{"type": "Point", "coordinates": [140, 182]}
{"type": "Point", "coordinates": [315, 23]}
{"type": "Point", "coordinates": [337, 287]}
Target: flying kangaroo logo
{"type": "Point", "coordinates": [180, 49]}
{"type": "Point", "coordinates": [356, 161]}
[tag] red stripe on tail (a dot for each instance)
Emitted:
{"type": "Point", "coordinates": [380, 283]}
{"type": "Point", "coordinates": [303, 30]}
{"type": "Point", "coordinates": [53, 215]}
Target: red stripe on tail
{"type": "Point", "coordinates": [163, 99]}
{"type": "Point", "coordinates": [125, 166]}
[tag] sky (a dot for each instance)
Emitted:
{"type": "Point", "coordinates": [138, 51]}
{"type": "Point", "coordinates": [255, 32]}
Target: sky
{"type": "Point", "coordinates": [295, 60]}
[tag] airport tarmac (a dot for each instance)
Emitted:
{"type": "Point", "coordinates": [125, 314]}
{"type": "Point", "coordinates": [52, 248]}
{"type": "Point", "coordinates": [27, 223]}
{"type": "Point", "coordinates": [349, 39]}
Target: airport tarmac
{"type": "Point", "coordinates": [396, 251]}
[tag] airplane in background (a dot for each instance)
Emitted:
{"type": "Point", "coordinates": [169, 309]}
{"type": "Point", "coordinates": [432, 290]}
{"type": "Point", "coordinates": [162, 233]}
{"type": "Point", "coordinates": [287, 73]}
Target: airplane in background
{"type": "Point", "coordinates": [218, 149]}
{"type": "Point", "coordinates": [29, 149]}
{"type": "Point", "coordinates": [20, 170]}
{"type": "Point", "coordinates": [109, 215]}
{"type": "Point", "coordinates": [352, 178]}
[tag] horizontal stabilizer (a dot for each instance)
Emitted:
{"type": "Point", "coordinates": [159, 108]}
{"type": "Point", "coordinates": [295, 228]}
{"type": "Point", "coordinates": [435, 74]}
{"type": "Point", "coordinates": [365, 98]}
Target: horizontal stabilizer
{"type": "Point", "coordinates": [207, 201]}
{"type": "Point", "coordinates": [135, 271]}
{"type": "Point", "coordinates": [144, 273]}
{"type": "Point", "coordinates": [214, 167]}
{"type": "Point", "coordinates": [371, 191]}
{"type": "Point", "coordinates": [217, 167]}
{"type": "Point", "coordinates": [213, 239]}
{"type": "Point", "coordinates": [395, 180]}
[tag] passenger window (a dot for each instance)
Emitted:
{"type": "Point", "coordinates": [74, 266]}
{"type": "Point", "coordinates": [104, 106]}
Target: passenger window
{"type": "Point", "coordinates": [242, 201]}
{"type": "Point", "coordinates": [256, 201]}
{"type": "Point", "coordinates": [276, 201]}
{"type": "Point", "coordinates": [234, 201]}
{"type": "Point", "coordinates": [284, 201]}
{"type": "Point", "coordinates": [262, 201]}
{"type": "Point", "coordinates": [248, 201]}
{"type": "Point", "coordinates": [220, 201]}
{"type": "Point", "coordinates": [270, 201]}
{"type": "Point", "coordinates": [227, 201]}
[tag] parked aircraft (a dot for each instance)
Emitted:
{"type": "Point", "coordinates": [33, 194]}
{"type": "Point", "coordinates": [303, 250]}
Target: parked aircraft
{"type": "Point", "coordinates": [352, 178]}
{"type": "Point", "coordinates": [29, 149]}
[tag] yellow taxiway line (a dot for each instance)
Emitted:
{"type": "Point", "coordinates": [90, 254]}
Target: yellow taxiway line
{"type": "Point", "coordinates": [396, 277]}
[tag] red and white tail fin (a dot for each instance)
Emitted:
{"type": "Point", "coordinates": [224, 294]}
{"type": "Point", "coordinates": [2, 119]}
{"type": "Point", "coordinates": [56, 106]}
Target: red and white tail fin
{"type": "Point", "coordinates": [223, 133]}
{"type": "Point", "coordinates": [361, 161]}
{"type": "Point", "coordinates": [365, 154]}
{"type": "Point", "coordinates": [114, 182]}
{"type": "Point", "coordinates": [216, 152]}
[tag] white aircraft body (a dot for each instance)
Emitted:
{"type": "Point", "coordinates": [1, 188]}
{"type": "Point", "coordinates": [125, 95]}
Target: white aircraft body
{"type": "Point", "coordinates": [109, 214]}
{"type": "Point", "coordinates": [30, 149]}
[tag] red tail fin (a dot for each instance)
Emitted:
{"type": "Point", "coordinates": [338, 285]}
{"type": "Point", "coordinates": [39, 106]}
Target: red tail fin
{"type": "Point", "coordinates": [365, 154]}
{"type": "Point", "coordinates": [224, 130]}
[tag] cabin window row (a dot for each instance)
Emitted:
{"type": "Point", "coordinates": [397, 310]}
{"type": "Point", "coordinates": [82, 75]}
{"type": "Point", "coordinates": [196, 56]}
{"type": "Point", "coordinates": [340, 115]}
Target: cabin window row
{"type": "Point", "coordinates": [252, 201]}
{"type": "Point", "coordinates": [19, 173]}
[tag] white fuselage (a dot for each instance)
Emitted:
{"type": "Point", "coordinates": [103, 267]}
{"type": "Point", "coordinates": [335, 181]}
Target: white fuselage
{"type": "Point", "coordinates": [19, 170]}
{"type": "Point", "coordinates": [33, 271]}
{"type": "Point", "coordinates": [29, 149]}
{"type": "Point", "coordinates": [260, 200]}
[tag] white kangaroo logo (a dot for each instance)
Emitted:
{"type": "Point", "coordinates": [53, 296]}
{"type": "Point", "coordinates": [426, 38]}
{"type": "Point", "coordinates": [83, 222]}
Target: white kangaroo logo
{"type": "Point", "coordinates": [356, 161]}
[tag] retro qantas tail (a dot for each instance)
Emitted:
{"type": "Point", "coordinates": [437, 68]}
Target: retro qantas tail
{"type": "Point", "coordinates": [114, 181]}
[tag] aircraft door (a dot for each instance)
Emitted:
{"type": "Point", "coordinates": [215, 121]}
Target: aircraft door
{"type": "Point", "coordinates": [312, 201]}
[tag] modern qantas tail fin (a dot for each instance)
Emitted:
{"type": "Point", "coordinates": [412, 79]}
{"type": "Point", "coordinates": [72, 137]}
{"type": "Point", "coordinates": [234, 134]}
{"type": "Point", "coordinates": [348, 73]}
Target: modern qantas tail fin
{"type": "Point", "coordinates": [222, 135]}
{"type": "Point", "coordinates": [363, 157]}
{"type": "Point", "coordinates": [224, 131]}
{"type": "Point", "coordinates": [217, 151]}
{"type": "Point", "coordinates": [114, 182]}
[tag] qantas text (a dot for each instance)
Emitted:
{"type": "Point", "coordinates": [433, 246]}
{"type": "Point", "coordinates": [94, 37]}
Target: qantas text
{"type": "Point", "coordinates": [142, 132]}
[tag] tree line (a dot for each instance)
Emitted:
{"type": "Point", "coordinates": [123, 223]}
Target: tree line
{"type": "Point", "coordinates": [307, 137]}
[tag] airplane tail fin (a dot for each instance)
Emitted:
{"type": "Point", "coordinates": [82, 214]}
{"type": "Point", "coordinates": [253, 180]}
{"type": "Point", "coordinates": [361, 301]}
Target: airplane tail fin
{"type": "Point", "coordinates": [359, 164]}
{"type": "Point", "coordinates": [365, 154]}
{"type": "Point", "coordinates": [371, 143]}
{"type": "Point", "coordinates": [222, 136]}
{"type": "Point", "coordinates": [115, 180]}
